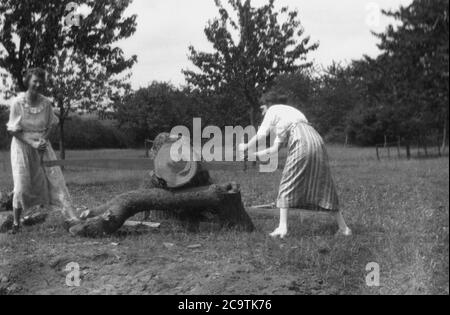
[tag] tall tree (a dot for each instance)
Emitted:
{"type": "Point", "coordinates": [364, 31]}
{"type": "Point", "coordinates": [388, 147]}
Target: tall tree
{"type": "Point", "coordinates": [336, 94]}
{"type": "Point", "coordinates": [36, 33]}
{"type": "Point", "coordinates": [79, 84]}
{"type": "Point", "coordinates": [404, 91]}
{"type": "Point", "coordinates": [152, 110]}
{"type": "Point", "coordinates": [252, 48]}
{"type": "Point", "coordinates": [416, 53]}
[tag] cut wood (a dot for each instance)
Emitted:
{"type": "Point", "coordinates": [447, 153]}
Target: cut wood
{"type": "Point", "coordinates": [151, 225]}
{"type": "Point", "coordinates": [224, 200]}
{"type": "Point", "coordinates": [165, 176]}
{"type": "Point", "coordinates": [6, 201]}
{"type": "Point", "coordinates": [7, 220]}
{"type": "Point", "coordinates": [35, 219]}
{"type": "Point", "coordinates": [274, 212]}
{"type": "Point", "coordinates": [266, 206]}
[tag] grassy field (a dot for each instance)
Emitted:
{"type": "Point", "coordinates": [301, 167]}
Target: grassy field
{"type": "Point", "coordinates": [398, 210]}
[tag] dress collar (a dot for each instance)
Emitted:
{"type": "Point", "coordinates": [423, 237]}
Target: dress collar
{"type": "Point", "coordinates": [30, 109]}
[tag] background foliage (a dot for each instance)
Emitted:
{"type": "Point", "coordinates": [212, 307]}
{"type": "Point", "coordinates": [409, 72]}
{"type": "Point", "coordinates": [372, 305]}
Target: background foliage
{"type": "Point", "coordinates": [403, 92]}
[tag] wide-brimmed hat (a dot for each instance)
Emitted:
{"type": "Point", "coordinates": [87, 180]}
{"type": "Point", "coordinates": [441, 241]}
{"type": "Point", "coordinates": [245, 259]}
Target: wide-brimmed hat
{"type": "Point", "coordinates": [175, 174]}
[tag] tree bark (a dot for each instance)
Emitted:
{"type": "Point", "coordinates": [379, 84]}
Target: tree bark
{"type": "Point", "coordinates": [224, 200]}
{"type": "Point", "coordinates": [62, 148]}
{"type": "Point", "coordinates": [62, 119]}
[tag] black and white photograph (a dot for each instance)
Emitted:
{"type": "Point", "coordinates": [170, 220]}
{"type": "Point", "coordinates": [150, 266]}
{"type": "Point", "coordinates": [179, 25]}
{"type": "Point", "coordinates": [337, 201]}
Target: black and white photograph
{"type": "Point", "coordinates": [224, 153]}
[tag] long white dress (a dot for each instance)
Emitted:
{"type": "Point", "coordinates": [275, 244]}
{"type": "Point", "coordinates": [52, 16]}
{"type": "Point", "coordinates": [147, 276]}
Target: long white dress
{"type": "Point", "coordinates": [35, 185]}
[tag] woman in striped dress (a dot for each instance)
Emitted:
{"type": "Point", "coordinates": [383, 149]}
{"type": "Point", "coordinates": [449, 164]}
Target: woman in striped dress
{"type": "Point", "coordinates": [307, 182]}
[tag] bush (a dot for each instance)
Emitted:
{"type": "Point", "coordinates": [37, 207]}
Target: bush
{"type": "Point", "coordinates": [160, 107]}
{"type": "Point", "coordinates": [81, 134]}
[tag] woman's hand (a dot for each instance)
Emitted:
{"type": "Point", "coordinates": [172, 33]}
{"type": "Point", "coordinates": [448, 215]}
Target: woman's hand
{"type": "Point", "coordinates": [40, 145]}
{"type": "Point", "coordinates": [242, 148]}
{"type": "Point", "coordinates": [268, 153]}
{"type": "Point", "coordinates": [263, 155]}
{"type": "Point", "coordinates": [253, 156]}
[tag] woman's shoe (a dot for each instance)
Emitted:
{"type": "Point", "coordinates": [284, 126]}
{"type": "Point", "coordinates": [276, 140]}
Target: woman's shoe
{"type": "Point", "coordinates": [279, 232]}
{"type": "Point", "coordinates": [344, 232]}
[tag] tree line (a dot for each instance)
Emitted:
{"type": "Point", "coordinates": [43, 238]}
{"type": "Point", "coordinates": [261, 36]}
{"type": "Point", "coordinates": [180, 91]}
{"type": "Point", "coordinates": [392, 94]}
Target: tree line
{"type": "Point", "coordinates": [402, 93]}
{"type": "Point", "coordinates": [261, 54]}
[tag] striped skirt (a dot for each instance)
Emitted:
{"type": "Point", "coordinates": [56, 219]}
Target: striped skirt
{"type": "Point", "coordinates": [307, 182]}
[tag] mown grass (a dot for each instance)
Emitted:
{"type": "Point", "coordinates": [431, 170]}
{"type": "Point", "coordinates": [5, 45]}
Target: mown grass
{"type": "Point", "coordinates": [398, 210]}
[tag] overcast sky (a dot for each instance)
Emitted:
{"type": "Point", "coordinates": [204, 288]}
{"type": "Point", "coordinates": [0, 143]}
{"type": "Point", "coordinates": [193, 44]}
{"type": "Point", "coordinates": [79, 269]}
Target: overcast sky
{"type": "Point", "coordinates": [167, 27]}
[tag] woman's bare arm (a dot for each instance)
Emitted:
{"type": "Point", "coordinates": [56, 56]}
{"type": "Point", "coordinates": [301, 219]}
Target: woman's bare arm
{"type": "Point", "coordinates": [19, 136]}
{"type": "Point", "coordinates": [34, 144]}
{"type": "Point", "coordinates": [254, 141]}
{"type": "Point", "coordinates": [269, 152]}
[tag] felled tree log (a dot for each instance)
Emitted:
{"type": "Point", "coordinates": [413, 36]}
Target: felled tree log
{"type": "Point", "coordinates": [224, 200]}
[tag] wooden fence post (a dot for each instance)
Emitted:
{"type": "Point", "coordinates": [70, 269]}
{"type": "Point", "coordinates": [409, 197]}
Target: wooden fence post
{"type": "Point", "coordinates": [378, 153]}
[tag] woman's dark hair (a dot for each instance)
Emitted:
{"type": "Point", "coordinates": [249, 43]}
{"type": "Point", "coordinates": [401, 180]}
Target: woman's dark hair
{"type": "Point", "coordinates": [37, 72]}
{"type": "Point", "coordinates": [272, 98]}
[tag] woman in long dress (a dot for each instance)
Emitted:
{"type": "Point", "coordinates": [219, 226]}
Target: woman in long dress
{"type": "Point", "coordinates": [307, 182]}
{"type": "Point", "coordinates": [30, 123]}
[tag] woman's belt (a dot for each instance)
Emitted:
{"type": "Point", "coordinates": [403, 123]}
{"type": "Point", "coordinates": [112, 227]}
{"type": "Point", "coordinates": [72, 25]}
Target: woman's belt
{"type": "Point", "coordinates": [299, 123]}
